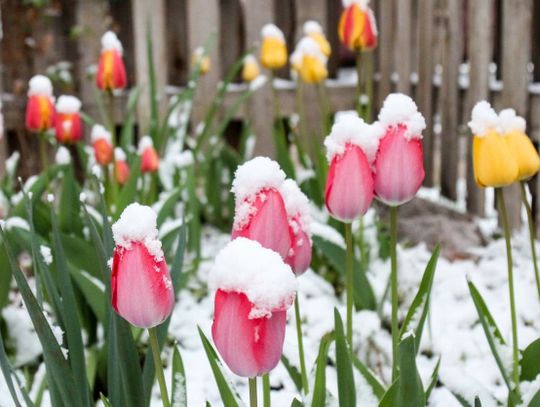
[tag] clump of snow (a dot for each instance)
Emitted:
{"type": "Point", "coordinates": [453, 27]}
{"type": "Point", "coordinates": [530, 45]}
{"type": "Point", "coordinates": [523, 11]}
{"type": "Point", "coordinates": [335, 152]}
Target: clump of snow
{"type": "Point", "coordinates": [68, 104]}
{"type": "Point", "coordinates": [483, 119]}
{"type": "Point", "coordinates": [12, 161]}
{"type": "Point", "coordinates": [119, 154]}
{"type": "Point", "coordinates": [400, 109]}
{"type": "Point", "coordinates": [50, 198]}
{"type": "Point", "coordinates": [257, 83]}
{"type": "Point", "coordinates": [138, 223]}
{"type": "Point", "coordinates": [307, 46]}
{"type": "Point", "coordinates": [312, 27]}
{"type": "Point", "coordinates": [296, 205]}
{"type": "Point", "coordinates": [16, 222]}
{"type": "Point", "coordinates": [363, 4]}
{"type": "Point", "coordinates": [40, 85]}
{"type": "Point", "coordinates": [510, 121]}
{"type": "Point", "coordinates": [62, 157]}
{"type": "Point", "coordinates": [110, 42]}
{"type": "Point", "coordinates": [99, 132]}
{"type": "Point", "coordinates": [272, 31]}
{"type": "Point", "coordinates": [254, 175]}
{"type": "Point", "coordinates": [351, 129]}
{"type": "Point", "coordinates": [250, 59]}
{"type": "Point", "coordinates": [46, 254]}
{"type": "Point", "coordinates": [144, 143]}
{"type": "Point", "coordinates": [244, 266]}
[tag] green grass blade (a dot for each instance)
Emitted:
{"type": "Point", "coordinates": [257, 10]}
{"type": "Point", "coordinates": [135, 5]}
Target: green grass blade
{"type": "Point", "coordinates": [293, 371]}
{"type": "Point", "coordinates": [152, 90]}
{"type": "Point", "coordinates": [434, 379]}
{"type": "Point", "coordinates": [530, 362]}
{"type": "Point", "coordinates": [69, 211]}
{"type": "Point", "coordinates": [319, 388]}
{"type": "Point", "coordinates": [372, 381]}
{"type": "Point", "coordinates": [179, 391]}
{"type": "Point", "coordinates": [126, 136]}
{"type": "Point", "coordinates": [128, 193]}
{"type": "Point", "coordinates": [344, 366]}
{"type": "Point", "coordinates": [7, 372]}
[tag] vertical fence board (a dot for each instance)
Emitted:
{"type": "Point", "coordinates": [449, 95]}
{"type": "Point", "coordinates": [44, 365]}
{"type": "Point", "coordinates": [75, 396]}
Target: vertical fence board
{"type": "Point", "coordinates": [403, 42]}
{"type": "Point", "coordinates": [386, 49]}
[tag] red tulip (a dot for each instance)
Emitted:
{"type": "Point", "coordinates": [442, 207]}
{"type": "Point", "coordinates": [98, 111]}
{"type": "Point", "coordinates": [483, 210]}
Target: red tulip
{"type": "Point", "coordinates": [40, 108]}
{"type": "Point", "coordinates": [103, 148]}
{"type": "Point", "coordinates": [111, 72]}
{"type": "Point", "coordinates": [399, 169]}
{"type": "Point", "coordinates": [357, 27]}
{"type": "Point", "coordinates": [142, 290]}
{"type": "Point", "coordinates": [68, 124]}
{"type": "Point", "coordinates": [149, 155]}
{"type": "Point", "coordinates": [254, 289]}
{"type": "Point", "coordinates": [260, 210]}
{"type": "Point", "coordinates": [121, 167]}
{"type": "Point", "coordinates": [351, 148]}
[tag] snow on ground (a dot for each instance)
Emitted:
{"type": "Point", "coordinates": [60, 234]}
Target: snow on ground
{"type": "Point", "coordinates": [453, 330]}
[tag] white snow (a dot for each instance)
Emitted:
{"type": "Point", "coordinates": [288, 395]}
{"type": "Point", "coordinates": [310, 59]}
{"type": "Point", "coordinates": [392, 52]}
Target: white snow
{"type": "Point", "coordinates": [16, 222]}
{"type": "Point", "coordinates": [62, 156]}
{"type": "Point", "coordinates": [312, 27]}
{"type": "Point", "coordinates": [254, 175]}
{"type": "Point", "coordinates": [144, 143]}
{"type": "Point", "coordinates": [257, 83]}
{"type": "Point", "coordinates": [110, 42]}
{"type": "Point", "coordinates": [296, 204]}
{"type": "Point", "coordinates": [308, 46]}
{"type": "Point", "coordinates": [138, 223]}
{"type": "Point", "coordinates": [68, 104]}
{"type": "Point", "coordinates": [510, 121]}
{"type": "Point", "coordinates": [119, 154]}
{"type": "Point", "coordinates": [46, 254]}
{"type": "Point", "coordinates": [351, 129]}
{"type": "Point", "coordinates": [272, 31]}
{"type": "Point", "coordinates": [483, 119]}
{"type": "Point", "coordinates": [363, 4]}
{"type": "Point", "coordinates": [100, 132]}
{"type": "Point", "coordinates": [40, 85]}
{"type": "Point", "coordinates": [401, 109]}
{"type": "Point", "coordinates": [244, 266]}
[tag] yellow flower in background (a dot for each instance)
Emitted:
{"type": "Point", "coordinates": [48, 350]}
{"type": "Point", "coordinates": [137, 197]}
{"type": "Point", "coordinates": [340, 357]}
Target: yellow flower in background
{"type": "Point", "coordinates": [357, 26]}
{"type": "Point", "coordinates": [520, 145]}
{"type": "Point", "coordinates": [494, 163]}
{"type": "Point", "coordinates": [201, 60]}
{"type": "Point", "coordinates": [250, 69]}
{"type": "Point", "coordinates": [273, 47]}
{"type": "Point", "coordinates": [308, 61]}
{"type": "Point", "coordinates": [314, 30]}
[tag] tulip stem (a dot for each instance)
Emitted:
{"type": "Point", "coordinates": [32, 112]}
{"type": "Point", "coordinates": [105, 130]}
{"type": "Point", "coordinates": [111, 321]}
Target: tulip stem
{"type": "Point", "coordinates": [43, 150]}
{"type": "Point", "coordinates": [515, 351]}
{"type": "Point", "coordinates": [359, 83]}
{"type": "Point", "coordinates": [349, 282]}
{"type": "Point", "coordinates": [394, 289]}
{"type": "Point", "coordinates": [252, 391]}
{"type": "Point", "coordinates": [266, 390]}
{"type": "Point", "coordinates": [531, 235]}
{"type": "Point", "coordinates": [159, 367]}
{"type": "Point", "coordinates": [303, 370]}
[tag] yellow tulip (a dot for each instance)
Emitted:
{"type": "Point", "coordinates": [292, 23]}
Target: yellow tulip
{"type": "Point", "coordinates": [312, 70]}
{"type": "Point", "coordinates": [314, 30]}
{"type": "Point", "coordinates": [251, 69]}
{"type": "Point", "coordinates": [273, 48]}
{"type": "Point", "coordinates": [201, 60]}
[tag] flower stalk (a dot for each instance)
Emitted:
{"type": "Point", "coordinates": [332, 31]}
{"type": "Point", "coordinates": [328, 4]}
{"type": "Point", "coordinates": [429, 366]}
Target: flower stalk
{"type": "Point", "coordinates": [531, 235]}
{"type": "Point", "coordinates": [349, 280]}
{"type": "Point", "coordinates": [159, 367]}
{"type": "Point", "coordinates": [252, 391]}
{"type": "Point", "coordinates": [303, 371]}
{"type": "Point", "coordinates": [394, 289]}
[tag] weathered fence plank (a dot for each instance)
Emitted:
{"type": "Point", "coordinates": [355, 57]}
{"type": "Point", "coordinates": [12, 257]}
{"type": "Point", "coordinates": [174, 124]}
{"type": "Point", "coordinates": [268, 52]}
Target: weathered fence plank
{"type": "Point", "coordinates": [403, 42]}
{"type": "Point", "coordinates": [385, 49]}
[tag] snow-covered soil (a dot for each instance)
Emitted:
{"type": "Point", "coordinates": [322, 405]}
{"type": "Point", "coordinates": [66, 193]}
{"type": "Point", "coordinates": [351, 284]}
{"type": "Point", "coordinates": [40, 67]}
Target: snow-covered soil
{"type": "Point", "coordinates": [453, 331]}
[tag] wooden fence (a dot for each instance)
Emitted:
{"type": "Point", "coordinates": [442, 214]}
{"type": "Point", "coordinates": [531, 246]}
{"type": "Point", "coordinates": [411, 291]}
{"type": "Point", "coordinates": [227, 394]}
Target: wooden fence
{"type": "Point", "coordinates": [447, 54]}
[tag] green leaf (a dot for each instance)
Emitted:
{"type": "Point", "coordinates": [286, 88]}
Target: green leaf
{"type": "Point", "coordinates": [344, 366]}
{"type": "Point", "coordinates": [126, 136]}
{"type": "Point", "coordinates": [168, 205]}
{"type": "Point", "coordinates": [7, 372]}
{"type": "Point", "coordinates": [535, 401]}
{"type": "Point", "coordinates": [319, 388]}
{"type": "Point", "coordinates": [530, 362]}
{"type": "Point", "coordinates": [293, 371]}
{"type": "Point", "coordinates": [178, 380]}
{"type": "Point", "coordinates": [105, 400]}
{"type": "Point", "coordinates": [372, 381]}
{"type": "Point", "coordinates": [81, 255]}
{"type": "Point", "coordinates": [363, 293]}
{"type": "Point", "coordinates": [5, 277]}
{"type": "Point", "coordinates": [152, 90]}
{"type": "Point", "coordinates": [477, 402]}
{"type": "Point", "coordinates": [419, 308]}
{"type": "Point", "coordinates": [461, 400]}
{"type": "Point", "coordinates": [229, 398]}
{"type": "Point", "coordinates": [129, 190]}
{"type": "Point", "coordinates": [297, 403]}
{"type": "Point", "coordinates": [93, 292]}
{"type": "Point", "coordinates": [434, 379]}
{"type": "Point", "coordinates": [69, 215]}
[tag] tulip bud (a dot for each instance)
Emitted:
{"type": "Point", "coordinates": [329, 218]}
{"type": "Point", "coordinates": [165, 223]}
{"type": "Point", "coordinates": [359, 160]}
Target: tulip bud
{"type": "Point", "coordinates": [142, 290]}
{"type": "Point", "coordinates": [309, 62]}
{"type": "Point", "coordinates": [201, 60]}
{"type": "Point", "coordinates": [149, 155]}
{"type": "Point", "coordinates": [297, 206]}
{"type": "Point", "coordinates": [399, 167]}
{"type": "Point", "coordinates": [313, 30]}
{"type": "Point", "coordinates": [521, 146]}
{"type": "Point", "coordinates": [351, 148]}
{"type": "Point", "coordinates": [254, 289]}
{"type": "Point", "coordinates": [111, 72]}
{"type": "Point", "coordinates": [357, 26]}
{"type": "Point", "coordinates": [273, 48]}
{"type": "Point", "coordinates": [68, 123]}
{"type": "Point", "coordinates": [40, 107]}
{"type": "Point", "coordinates": [121, 168]}
{"type": "Point", "coordinates": [260, 211]}
{"type": "Point", "coordinates": [101, 141]}
{"type": "Point", "coordinates": [494, 163]}
{"type": "Point", "coordinates": [251, 70]}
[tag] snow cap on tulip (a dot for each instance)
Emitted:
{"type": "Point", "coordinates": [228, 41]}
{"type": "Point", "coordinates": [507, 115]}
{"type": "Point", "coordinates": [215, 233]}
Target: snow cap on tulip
{"type": "Point", "coordinates": [272, 31]}
{"type": "Point", "coordinates": [67, 104]}
{"type": "Point", "coordinates": [144, 143]}
{"type": "Point", "coordinates": [312, 27]}
{"type": "Point", "coordinates": [244, 266]}
{"type": "Point", "coordinates": [119, 154]}
{"type": "Point", "coordinates": [40, 85]}
{"type": "Point", "coordinates": [509, 121]}
{"type": "Point", "coordinates": [483, 119]}
{"type": "Point", "coordinates": [308, 61]}
{"type": "Point", "coordinates": [296, 204]}
{"type": "Point", "coordinates": [100, 133]}
{"type": "Point", "coordinates": [400, 109]}
{"type": "Point", "coordinates": [273, 47]}
{"type": "Point", "coordinates": [201, 60]}
{"type": "Point", "coordinates": [250, 70]}
{"type": "Point", "coordinates": [110, 42]}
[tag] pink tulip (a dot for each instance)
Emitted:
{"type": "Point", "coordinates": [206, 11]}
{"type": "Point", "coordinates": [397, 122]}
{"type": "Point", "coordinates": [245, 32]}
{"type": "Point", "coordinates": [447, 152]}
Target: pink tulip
{"type": "Point", "coordinates": [254, 289]}
{"type": "Point", "coordinates": [399, 169]}
{"type": "Point", "coordinates": [142, 290]}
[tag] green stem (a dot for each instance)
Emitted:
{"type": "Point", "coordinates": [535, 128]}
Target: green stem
{"type": "Point", "coordinates": [43, 151]}
{"type": "Point", "coordinates": [266, 390]}
{"type": "Point", "coordinates": [349, 282]}
{"type": "Point", "coordinates": [302, 118]}
{"type": "Point", "coordinates": [358, 82]}
{"type": "Point", "coordinates": [252, 391]}
{"type": "Point", "coordinates": [368, 81]}
{"type": "Point", "coordinates": [515, 351]}
{"type": "Point", "coordinates": [159, 367]}
{"type": "Point", "coordinates": [362, 245]}
{"type": "Point", "coordinates": [531, 235]}
{"type": "Point", "coordinates": [303, 370]}
{"type": "Point", "coordinates": [324, 108]}
{"type": "Point", "coordinates": [394, 289]}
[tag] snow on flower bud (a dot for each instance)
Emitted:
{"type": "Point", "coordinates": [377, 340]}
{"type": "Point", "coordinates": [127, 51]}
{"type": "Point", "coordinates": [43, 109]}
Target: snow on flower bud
{"type": "Point", "coordinates": [493, 161]}
{"type": "Point", "coordinates": [201, 60]}
{"type": "Point", "coordinates": [351, 148]}
{"type": "Point", "coordinates": [313, 30]}
{"type": "Point", "coordinates": [260, 212]}
{"type": "Point", "coordinates": [297, 206]}
{"type": "Point", "coordinates": [142, 290]}
{"type": "Point", "coordinates": [254, 288]}
{"type": "Point", "coordinates": [121, 168]}
{"type": "Point", "coordinates": [250, 70]}
{"type": "Point", "coordinates": [111, 72]}
{"type": "Point", "coordinates": [399, 169]}
{"type": "Point", "coordinates": [357, 26]}
{"type": "Point", "coordinates": [273, 47]}
{"type": "Point", "coordinates": [512, 129]}
{"type": "Point", "coordinates": [102, 144]}
{"type": "Point", "coordinates": [40, 106]}
{"type": "Point", "coordinates": [68, 124]}
{"type": "Point", "coordinates": [149, 155]}
{"type": "Point", "coordinates": [309, 62]}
